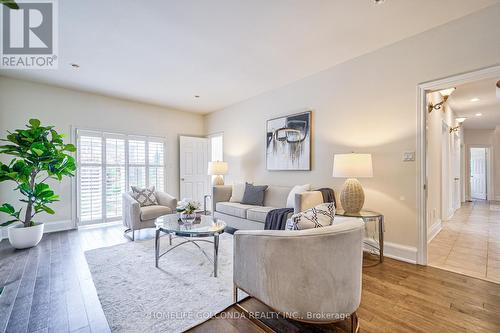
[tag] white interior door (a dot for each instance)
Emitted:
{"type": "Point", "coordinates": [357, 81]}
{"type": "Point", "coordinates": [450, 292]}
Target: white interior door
{"type": "Point", "coordinates": [194, 181]}
{"type": "Point", "coordinates": [478, 173]}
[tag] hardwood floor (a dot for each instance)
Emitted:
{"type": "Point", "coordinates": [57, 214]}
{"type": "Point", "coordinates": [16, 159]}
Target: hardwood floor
{"type": "Point", "coordinates": [49, 289]}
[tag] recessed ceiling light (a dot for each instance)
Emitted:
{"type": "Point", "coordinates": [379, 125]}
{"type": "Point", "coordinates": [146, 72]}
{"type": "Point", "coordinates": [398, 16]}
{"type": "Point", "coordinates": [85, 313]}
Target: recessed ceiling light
{"type": "Point", "coordinates": [479, 114]}
{"type": "Point", "coordinates": [460, 119]}
{"type": "Point", "coordinates": [196, 96]}
{"type": "Point", "coordinates": [475, 99]}
{"type": "Point", "coordinates": [75, 65]}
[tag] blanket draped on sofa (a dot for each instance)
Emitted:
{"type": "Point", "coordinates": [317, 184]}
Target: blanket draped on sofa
{"type": "Point", "coordinates": [276, 219]}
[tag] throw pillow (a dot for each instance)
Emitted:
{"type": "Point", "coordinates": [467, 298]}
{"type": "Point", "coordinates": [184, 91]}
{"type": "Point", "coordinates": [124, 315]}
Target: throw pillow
{"type": "Point", "coordinates": [237, 192]}
{"type": "Point", "coordinates": [144, 196]}
{"type": "Point", "coordinates": [254, 195]}
{"type": "Point", "coordinates": [320, 216]}
{"type": "Point", "coordinates": [297, 189]}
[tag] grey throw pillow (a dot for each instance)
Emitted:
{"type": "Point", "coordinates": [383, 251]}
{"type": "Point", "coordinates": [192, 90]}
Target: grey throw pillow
{"type": "Point", "coordinates": [254, 195]}
{"type": "Point", "coordinates": [144, 196]}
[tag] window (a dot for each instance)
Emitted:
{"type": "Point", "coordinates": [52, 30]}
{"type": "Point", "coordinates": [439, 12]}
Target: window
{"type": "Point", "coordinates": [217, 147]}
{"type": "Point", "coordinates": [108, 164]}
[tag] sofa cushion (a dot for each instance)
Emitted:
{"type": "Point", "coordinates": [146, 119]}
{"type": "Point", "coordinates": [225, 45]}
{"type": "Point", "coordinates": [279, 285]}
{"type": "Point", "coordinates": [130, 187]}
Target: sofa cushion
{"type": "Point", "coordinates": [153, 212]}
{"type": "Point", "coordinates": [258, 213]}
{"type": "Point", "coordinates": [254, 194]}
{"type": "Point", "coordinates": [233, 209]}
{"type": "Point", "coordinates": [276, 196]}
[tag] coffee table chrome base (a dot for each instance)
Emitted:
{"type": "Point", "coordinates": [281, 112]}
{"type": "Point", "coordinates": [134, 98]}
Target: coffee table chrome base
{"type": "Point", "coordinates": [171, 236]}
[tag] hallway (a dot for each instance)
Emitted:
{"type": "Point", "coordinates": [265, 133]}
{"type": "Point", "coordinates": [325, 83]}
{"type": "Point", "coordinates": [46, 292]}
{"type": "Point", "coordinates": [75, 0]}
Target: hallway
{"type": "Point", "coordinates": [469, 243]}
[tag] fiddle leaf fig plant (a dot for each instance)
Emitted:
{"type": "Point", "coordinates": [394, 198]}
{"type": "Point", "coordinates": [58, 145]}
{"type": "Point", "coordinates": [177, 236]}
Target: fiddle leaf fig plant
{"type": "Point", "coordinates": [39, 154]}
{"type": "Point", "coordinates": [9, 3]}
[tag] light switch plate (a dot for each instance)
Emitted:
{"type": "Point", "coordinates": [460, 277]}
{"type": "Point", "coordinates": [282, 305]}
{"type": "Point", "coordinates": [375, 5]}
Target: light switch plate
{"type": "Point", "coordinates": [408, 156]}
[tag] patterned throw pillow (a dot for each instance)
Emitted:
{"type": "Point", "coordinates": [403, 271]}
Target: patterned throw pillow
{"type": "Point", "coordinates": [320, 216]}
{"type": "Point", "coordinates": [144, 196]}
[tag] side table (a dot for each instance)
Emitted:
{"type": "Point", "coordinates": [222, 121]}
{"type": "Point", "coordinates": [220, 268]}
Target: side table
{"type": "Point", "coordinates": [367, 215]}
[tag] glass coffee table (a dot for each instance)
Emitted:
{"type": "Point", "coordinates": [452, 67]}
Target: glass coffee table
{"type": "Point", "coordinates": [203, 227]}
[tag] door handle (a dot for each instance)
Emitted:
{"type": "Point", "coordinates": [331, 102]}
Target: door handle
{"type": "Point", "coordinates": [182, 179]}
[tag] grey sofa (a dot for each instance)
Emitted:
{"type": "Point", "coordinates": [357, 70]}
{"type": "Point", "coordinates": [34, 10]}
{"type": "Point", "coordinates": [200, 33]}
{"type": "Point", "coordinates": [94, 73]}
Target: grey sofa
{"type": "Point", "coordinates": [136, 217]}
{"type": "Point", "coordinates": [314, 274]}
{"type": "Point", "coordinates": [247, 217]}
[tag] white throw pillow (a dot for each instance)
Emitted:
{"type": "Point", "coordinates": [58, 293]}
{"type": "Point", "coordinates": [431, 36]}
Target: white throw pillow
{"type": "Point", "coordinates": [144, 196]}
{"type": "Point", "coordinates": [297, 189]}
{"type": "Point", "coordinates": [237, 193]}
{"type": "Point", "coordinates": [320, 216]}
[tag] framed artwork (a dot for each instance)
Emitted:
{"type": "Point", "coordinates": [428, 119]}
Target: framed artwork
{"type": "Point", "coordinates": [288, 142]}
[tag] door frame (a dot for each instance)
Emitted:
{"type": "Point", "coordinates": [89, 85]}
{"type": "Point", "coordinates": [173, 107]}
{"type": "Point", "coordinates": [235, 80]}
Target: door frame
{"type": "Point", "coordinates": [422, 89]}
{"type": "Point", "coordinates": [490, 194]}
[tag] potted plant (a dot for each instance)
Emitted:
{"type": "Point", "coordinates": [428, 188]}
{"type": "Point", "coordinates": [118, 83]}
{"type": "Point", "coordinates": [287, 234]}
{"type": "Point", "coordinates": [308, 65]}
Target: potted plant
{"type": "Point", "coordinates": [39, 154]}
{"type": "Point", "coordinates": [187, 210]}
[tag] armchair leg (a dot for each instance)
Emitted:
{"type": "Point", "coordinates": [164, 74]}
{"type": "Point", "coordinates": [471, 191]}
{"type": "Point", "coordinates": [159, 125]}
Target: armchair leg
{"type": "Point", "coordinates": [235, 293]}
{"type": "Point", "coordinates": [354, 323]}
{"type": "Point", "coordinates": [125, 233]}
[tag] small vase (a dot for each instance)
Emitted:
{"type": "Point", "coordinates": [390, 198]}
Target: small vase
{"type": "Point", "coordinates": [188, 218]}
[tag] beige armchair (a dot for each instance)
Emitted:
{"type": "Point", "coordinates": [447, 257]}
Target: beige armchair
{"type": "Point", "coordinates": [311, 275]}
{"type": "Point", "coordinates": [136, 217]}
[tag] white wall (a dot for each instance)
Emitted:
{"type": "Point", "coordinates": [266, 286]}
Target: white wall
{"type": "Point", "coordinates": [22, 100]}
{"type": "Point", "coordinates": [367, 104]}
{"type": "Point", "coordinates": [440, 174]}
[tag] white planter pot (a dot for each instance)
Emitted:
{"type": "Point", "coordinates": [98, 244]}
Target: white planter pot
{"type": "Point", "coordinates": [23, 238]}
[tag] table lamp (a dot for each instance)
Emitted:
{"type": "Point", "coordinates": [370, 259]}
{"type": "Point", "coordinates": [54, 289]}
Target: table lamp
{"type": "Point", "coordinates": [218, 169]}
{"type": "Point", "coordinates": [352, 166]}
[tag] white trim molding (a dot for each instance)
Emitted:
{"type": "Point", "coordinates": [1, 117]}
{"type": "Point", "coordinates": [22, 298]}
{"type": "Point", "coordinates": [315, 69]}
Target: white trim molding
{"type": "Point", "coordinates": [421, 157]}
{"type": "Point", "coordinates": [434, 230]}
{"type": "Point", "coordinates": [395, 251]}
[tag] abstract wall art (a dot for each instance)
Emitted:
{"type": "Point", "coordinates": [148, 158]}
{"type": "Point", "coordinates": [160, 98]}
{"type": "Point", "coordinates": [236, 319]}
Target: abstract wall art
{"type": "Point", "coordinates": [288, 142]}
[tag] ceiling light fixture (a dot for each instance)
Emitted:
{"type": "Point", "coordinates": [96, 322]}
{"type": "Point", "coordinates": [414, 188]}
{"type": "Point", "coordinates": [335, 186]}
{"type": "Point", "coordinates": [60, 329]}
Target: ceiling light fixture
{"type": "Point", "coordinates": [445, 93]}
{"type": "Point", "coordinates": [475, 99]}
{"type": "Point", "coordinates": [479, 114]}
{"type": "Point", "coordinates": [378, 2]}
{"type": "Point", "coordinates": [460, 119]}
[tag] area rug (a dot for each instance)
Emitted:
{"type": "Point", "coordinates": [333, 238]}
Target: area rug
{"type": "Point", "coordinates": [181, 293]}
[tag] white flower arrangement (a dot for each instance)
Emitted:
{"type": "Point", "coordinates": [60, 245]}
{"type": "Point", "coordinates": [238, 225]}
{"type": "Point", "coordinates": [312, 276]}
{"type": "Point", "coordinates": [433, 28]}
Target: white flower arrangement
{"type": "Point", "coordinates": [187, 206]}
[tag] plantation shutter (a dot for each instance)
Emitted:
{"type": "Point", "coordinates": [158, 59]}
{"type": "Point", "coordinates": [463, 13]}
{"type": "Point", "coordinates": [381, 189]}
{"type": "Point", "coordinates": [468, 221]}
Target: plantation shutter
{"type": "Point", "coordinates": [90, 176]}
{"type": "Point", "coordinates": [108, 164]}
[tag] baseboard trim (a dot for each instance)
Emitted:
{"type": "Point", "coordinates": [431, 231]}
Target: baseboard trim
{"type": "Point", "coordinates": [396, 251]}
{"type": "Point", "coordinates": [49, 227]}
{"type": "Point", "coordinates": [434, 230]}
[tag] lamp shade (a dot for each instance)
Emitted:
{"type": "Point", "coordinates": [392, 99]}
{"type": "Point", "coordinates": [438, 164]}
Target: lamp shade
{"type": "Point", "coordinates": [217, 168]}
{"type": "Point", "coordinates": [352, 165]}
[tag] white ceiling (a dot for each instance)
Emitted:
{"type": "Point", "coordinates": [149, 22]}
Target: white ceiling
{"type": "Point", "coordinates": [488, 104]}
{"type": "Point", "coordinates": [165, 52]}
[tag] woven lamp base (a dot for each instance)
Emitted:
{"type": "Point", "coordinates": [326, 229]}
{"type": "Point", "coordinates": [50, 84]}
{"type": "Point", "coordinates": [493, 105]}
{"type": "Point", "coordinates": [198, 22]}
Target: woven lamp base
{"type": "Point", "coordinates": [352, 196]}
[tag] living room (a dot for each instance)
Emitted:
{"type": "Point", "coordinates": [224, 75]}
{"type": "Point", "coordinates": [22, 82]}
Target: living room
{"type": "Point", "coordinates": [199, 99]}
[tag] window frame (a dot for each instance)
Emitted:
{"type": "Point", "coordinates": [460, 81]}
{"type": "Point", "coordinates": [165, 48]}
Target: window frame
{"type": "Point", "coordinates": [105, 134]}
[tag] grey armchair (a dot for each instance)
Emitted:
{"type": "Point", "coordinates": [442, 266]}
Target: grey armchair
{"type": "Point", "coordinates": [311, 275]}
{"type": "Point", "coordinates": [136, 217]}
